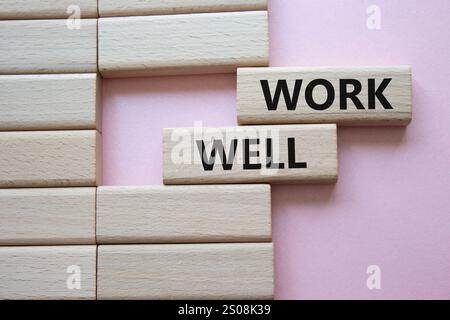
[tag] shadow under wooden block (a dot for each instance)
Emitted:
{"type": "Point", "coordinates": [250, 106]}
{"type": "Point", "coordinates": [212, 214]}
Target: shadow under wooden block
{"type": "Point", "coordinates": [47, 9]}
{"type": "Point", "coordinates": [47, 216]}
{"type": "Point", "coordinates": [186, 271]}
{"type": "Point", "coordinates": [47, 46]}
{"type": "Point", "coordinates": [342, 95]}
{"type": "Point", "coordinates": [165, 214]}
{"type": "Point", "coordinates": [114, 8]}
{"type": "Point", "coordinates": [182, 44]}
{"type": "Point", "coordinates": [250, 154]}
{"type": "Point", "coordinates": [53, 272]}
{"type": "Point", "coordinates": [50, 102]}
{"type": "Point", "coordinates": [50, 158]}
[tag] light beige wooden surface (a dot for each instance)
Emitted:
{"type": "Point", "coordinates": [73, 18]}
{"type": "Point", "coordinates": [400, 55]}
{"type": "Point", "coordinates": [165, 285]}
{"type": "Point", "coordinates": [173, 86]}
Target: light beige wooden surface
{"type": "Point", "coordinates": [47, 46]}
{"type": "Point", "coordinates": [41, 272]}
{"type": "Point", "coordinates": [165, 214]}
{"type": "Point", "coordinates": [252, 107]}
{"type": "Point", "coordinates": [182, 44]}
{"type": "Point", "coordinates": [111, 8]}
{"type": "Point", "coordinates": [314, 144]}
{"type": "Point", "coordinates": [47, 216]}
{"type": "Point", "coordinates": [185, 271]}
{"type": "Point", "coordinates": [49, 102]}
{"type": "Point", "coordinates": [50, 158]}
{"type": "Point", "coordinates": [46, 9]}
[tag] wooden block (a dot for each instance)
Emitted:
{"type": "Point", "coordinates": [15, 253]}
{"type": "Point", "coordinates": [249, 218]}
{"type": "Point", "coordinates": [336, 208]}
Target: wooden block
{"type": "Point", "coordinates": [50, 158]}
{"type": "Point", "coordinates": [347, 96]}
{"type": "Point", "coordinates": [182, 44]}
{"type": "Point", "coordinates": [47, 46]}
{"type": "Point", "coordinates": [164, 214]}
{"type": "Point", "coordinates": [48, 102]}
{"type": "Point", "coordinates": [253, 154]}
{"type": "Point", "coordinates": [54, 272]}
{"type": "Point", "coordinates": [46, 9]}
{"type": "Point", "coordinates": [112, 8]}
{"type": "Point", "coordinates": [47, 216]}
{"type": "Point", "coordinates": [186, 271]}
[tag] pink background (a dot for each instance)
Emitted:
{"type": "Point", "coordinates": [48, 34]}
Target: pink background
{"type": "Point", "coordinates": [391, 206]}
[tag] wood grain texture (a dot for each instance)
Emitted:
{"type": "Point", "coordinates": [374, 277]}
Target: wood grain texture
{"type": "Point", "coordinates": [47, 216]}
{"type": "Point", "coordinates": [182, 44]}
{"type": "Point", "coordinates": [41, 273]}
{"type": "Point", "coordinates": [186, 271]}
{"type": "Point", "coordinates": [313, 145]}
{"type": "Point", "coordinates": [45, 9]}
{"type": "Point", "coordinates": [50, 158]}
{"type": "Point", "coordinates": [112, 8]}
{"type": "Point", "coordinates": [47, 46]}
{"type": "Point", "coordinates": [253, 108]}
{"type": "Point", "coordinates": [165, 214]}
{"type": "Point", "coordinates": [49, 102]}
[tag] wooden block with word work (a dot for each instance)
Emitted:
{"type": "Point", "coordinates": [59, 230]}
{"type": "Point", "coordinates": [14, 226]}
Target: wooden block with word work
{"type": "Point", "coordinates": [347, 96]}
{"type": "Point", "coordinates": [53, 272]}
{"type": "Point", "coordinates": [47, 46]}
{"type": "Point", "coordinates": [50, 102]}
{"type": "Point", "coordinates": [47, 9]}
{"type": "Point", "coordinates": [112, 8]}
{"type": "Point", "coordinates": [186, 271]}
{"type": "Point", "coordinates": [183, 43]}
{"type": "Point", "coordinates": [164, 214]}
{"type": "Point", "coordinates": [50, 158]}
{"type": "Point", "coordinates": [47, 216]}
{"type": "Point", "coordinates": [250, 154]}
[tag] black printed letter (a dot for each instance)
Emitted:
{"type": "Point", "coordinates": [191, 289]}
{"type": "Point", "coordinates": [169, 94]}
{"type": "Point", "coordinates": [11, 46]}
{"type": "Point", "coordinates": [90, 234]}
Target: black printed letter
{"type": "Point", "coordinates": [227, 162]}
{"type": "Point", "coordinates": [344, 94]}
{"type": "Point", "coordinates": [269, 163]}
{"type": "Point", "coordinates": [309, 94]}
{"type": "Point", "coordinates": [291, 154]}
{"type": "Point", "coordinates": [272, 104]}
{"type": "Point", "coordinates": [248, 154]}
{"type": "Point", "coordinates": [378, 93]}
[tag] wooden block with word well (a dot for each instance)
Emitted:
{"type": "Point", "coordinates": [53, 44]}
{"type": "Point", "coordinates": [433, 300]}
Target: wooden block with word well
{"type": "Point", "coordinates": [50, 102]}
{"type": "Point", "coordinates": [112, 8]}
{"type": "Point", "coordinates": [48, 46]}
{"type": "Point", "coordinates": [53, 272]}
{"type": "Point", "coordinates": [250, 154]}
{"type": "Point", "coordinates": [164, 214]}
{"type": "Point", "coordinates": [47, 216]}
{"type": "Point", "coordinates": [47, 9]}
{"type": "Point", "coordinates": [50, 158]}
{"type": "Point", "coordinates": [183, 43]}
{"type": "Point", "coordinates": [347, 96]}
{"type": "Point", "coordinates": [186, 271]}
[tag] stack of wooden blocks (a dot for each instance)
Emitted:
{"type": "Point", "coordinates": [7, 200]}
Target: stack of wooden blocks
{"type": "Point", "coordinates": [207, 232]}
